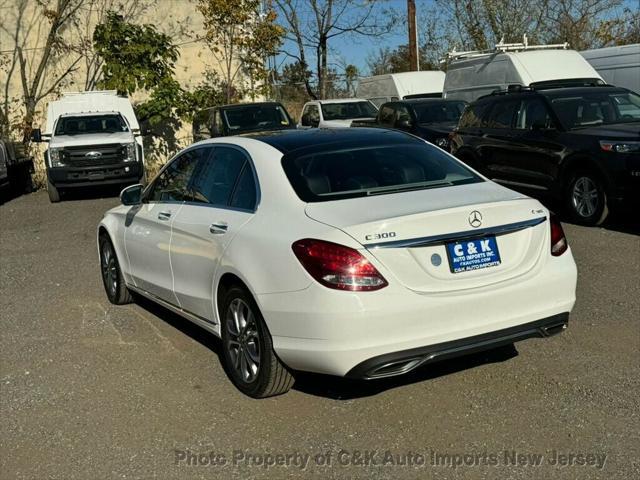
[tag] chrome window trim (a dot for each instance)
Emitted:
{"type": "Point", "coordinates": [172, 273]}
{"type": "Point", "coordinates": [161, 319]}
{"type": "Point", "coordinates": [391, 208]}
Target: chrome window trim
{"type": "Point", "coordinates": [256, 182]}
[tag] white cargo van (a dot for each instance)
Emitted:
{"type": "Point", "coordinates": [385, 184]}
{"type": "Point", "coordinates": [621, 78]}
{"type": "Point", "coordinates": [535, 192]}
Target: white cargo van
{"type": "Point", "coordinates": [94, 139]}
{"type": "Point", "coordinates": [471, 75]}
{"type": "Point", "coordinates": [399, 86]}
{"type": "Point", "coordinates": [619, 66]}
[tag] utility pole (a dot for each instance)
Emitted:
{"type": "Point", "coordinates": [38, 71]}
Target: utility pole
{"type": "Point", "coordinates": [413, 36]}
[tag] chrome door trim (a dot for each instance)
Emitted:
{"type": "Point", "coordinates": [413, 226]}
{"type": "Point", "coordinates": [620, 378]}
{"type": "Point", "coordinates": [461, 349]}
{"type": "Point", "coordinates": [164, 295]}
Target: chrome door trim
{"type": "Point", "coordinates": [170, 306]}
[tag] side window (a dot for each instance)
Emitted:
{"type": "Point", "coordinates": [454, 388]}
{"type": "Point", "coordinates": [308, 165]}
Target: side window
{"type": "Point", "coordinates": [502, 114]}
{"type": "Point", "coordinates": [172, 185]}
{"type": "Point", "coordinates": [472, 116]}
{"type": "Point", "coordinates": [217, 123]}
{"type": "Point", "coordinates": [244, 195]}
{"type": "Point", "coordinates": [533, 113]}
{"type": "Point", "coordinates": [402, 114]}
{"type": "Point", "coordinates": [216, 176]}
{"type": "Point", "coordinates": [387, 114]}
{"type": "Point", "coordinates": [304, 119]}
{"type": "Point", "coordinates": [310, 116]}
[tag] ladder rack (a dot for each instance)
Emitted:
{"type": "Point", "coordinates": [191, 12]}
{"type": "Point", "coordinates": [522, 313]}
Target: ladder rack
{"type": "Point", "coordinates": [503, 47]}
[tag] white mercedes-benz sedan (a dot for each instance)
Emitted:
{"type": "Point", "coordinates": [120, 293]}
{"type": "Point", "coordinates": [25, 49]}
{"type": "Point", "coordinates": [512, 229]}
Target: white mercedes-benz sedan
{"type": "Point", "coordinates": [363, 253]}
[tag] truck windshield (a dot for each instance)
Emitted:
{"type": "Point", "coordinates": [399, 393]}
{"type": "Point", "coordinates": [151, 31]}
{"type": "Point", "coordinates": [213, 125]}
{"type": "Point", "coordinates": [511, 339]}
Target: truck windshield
{"type": "Point", "coordinates": [596, 108]}
{"type": "Point", "coordinates": [348, 110]}
{"type": "Point", "coordinates": [439, 112]}
{"type": "Point", "coordinates": [339, 173]}
{"type": "Point", "coordinates": [90, 124]}
{"type": "Point", "coordinates": [256, 117]}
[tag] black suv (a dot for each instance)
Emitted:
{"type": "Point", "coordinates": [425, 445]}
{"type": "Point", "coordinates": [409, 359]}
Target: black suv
{"type": "Point", "coordinates": [432, 119]}
{"type": "Point", "coordinates": [579, 145]}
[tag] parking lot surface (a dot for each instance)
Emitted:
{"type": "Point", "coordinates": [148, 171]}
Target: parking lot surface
{"type": "Point", "coordinates": [91, 390]}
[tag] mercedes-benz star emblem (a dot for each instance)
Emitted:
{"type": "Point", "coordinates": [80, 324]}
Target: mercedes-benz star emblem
{"type": "Point", "coordinates": [475, 219]}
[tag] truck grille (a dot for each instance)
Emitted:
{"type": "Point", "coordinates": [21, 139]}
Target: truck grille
{"type": "Point", "coordinates": [88, 155]}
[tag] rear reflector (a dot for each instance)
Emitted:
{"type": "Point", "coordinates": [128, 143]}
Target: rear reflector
{"type": "Point", "coordinates": [559, 243]}
{"type": "Point", "coordinates": [336, 266]}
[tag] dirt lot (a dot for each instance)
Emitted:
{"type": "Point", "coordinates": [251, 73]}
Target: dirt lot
{"type": "Point", "coordinates": [90, 390]}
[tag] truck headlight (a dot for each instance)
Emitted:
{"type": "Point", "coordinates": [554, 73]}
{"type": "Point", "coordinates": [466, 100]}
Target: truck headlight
{"type": "Point", "coordinates": [55, 157]}
{"type": "Point", "coordinates": [129, 151]}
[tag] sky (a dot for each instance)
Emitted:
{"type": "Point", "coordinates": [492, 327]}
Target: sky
{"type": "Point", "coordinates": [354, 49]}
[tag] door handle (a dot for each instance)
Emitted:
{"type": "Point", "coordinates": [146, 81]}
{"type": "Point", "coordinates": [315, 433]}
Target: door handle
{"type": "Point", "coordinates": [218, 228]}
{"type": "Point", "coordinates": [164, 216]}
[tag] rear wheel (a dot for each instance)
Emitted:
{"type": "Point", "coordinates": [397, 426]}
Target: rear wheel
{"type": "Point", "coordinates": [247, 351]}
{"type": "Point", "coordinates": [54, 194]}
{"type": "Point", "coordinates": [112, 279]}
{"type": "Point", "coordinates": [586, 199]}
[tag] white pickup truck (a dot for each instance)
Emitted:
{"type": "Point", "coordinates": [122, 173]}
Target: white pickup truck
{"type": "Point", "coordinates": [338, 113]}
{"type": "Point", "coordinates": [94, 139]}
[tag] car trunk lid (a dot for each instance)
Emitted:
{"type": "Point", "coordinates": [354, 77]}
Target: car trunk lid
{"type": "Point", "coordinates": [408, 232]}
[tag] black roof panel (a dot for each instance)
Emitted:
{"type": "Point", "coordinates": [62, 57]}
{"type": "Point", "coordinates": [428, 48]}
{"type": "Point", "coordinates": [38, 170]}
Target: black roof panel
{"type": "Point", "coordinates": [320, 139]}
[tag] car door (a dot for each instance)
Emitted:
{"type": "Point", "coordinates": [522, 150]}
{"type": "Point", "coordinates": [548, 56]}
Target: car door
{"type": "Point", "coordinates": [223, 199]}
{"type": "Point", "coordinates": [537, 148]}
{"type": "Point", "coordinates": [496, 148]}
{"type": "Point", "coordinates": [147, 233]}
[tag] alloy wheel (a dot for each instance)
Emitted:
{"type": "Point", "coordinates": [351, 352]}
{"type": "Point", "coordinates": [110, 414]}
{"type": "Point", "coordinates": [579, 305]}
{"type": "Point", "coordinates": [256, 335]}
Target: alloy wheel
{"type": "Point", "coordinates": [243, 342]}
{"type": "Point", "coordinates": [109, 269]}
{"type": "Point", "coordinates": [584, 197]}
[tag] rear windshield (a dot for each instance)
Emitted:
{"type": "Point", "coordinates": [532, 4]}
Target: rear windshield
{"type": "Point", "coordinates": [597, 108]}
{"type": "Point", "coordinates": [439, 112]}
{"type": "Point", "coordinates": [347, 111]}
{"type": "Point", "coordinates": [256, 117]}
{"type": "Point", "coordinates": [373, 170]}
{"type": "Point", "coordinates": [90, 124]}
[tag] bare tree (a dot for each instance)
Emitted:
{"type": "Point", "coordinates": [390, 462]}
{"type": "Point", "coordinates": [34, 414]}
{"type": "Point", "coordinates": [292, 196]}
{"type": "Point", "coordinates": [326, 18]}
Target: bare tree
{"type": "Point", "coordinates": [40, 56]}
{"type": "Point", "coordinates": [313, 24]}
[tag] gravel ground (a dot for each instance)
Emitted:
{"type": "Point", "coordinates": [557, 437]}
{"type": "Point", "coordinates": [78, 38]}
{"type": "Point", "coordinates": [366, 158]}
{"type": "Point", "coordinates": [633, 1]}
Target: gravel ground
{"type": "Point", "coordinates": [90, 390]}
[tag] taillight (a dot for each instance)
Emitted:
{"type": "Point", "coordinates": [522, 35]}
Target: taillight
{"type": "Point", "coordinates": [559, 243]}
{"type": "Point", "coordinates": [337, 266]}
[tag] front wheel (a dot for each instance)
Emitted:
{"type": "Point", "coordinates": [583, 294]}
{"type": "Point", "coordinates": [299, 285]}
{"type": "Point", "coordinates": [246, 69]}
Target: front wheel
{"type": "Point", "coordinates": [112, 279]}
{"type": "Point", "coordinates": [248, 355]}
{"type": "Point", "coordinates": [586, 199]}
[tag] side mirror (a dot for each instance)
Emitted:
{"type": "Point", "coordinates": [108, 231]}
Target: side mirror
{"type": "Point", "coordinates": [132, 195]}
{"type": "Point", "coordinates": [36, 135]}
{"type": "Point", "coordinates": [315, 122]}
{"type": "Point", "coordinates": [144, 131]}
{"type": "Point", "coordinates": [215, 131]}
{"type": "Point", "coordinates": [304, 121]}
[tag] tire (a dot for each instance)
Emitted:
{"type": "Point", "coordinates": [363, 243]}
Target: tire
{"type": "Point", "coordinates": [112, 279]}
{"type": "Point", "coordinates": [586, 199]}
{"type": "Point", "coordinates": [247, 350]}
{"type": "Point", "coordinates": [54, 194]}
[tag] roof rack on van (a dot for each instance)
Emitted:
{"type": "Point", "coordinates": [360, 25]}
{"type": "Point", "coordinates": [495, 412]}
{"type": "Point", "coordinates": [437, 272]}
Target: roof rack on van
{"type": "Point", "coordinates": [503, 47]}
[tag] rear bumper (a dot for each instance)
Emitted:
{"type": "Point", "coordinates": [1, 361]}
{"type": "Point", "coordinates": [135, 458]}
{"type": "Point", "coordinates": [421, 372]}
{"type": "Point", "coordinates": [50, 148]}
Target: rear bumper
{"type": "Point", "coordinates": [119, 173]}
{"type": "Point", "coordinates": [335, 332]}
{"type": "Point", "coordinates": [398, 363]}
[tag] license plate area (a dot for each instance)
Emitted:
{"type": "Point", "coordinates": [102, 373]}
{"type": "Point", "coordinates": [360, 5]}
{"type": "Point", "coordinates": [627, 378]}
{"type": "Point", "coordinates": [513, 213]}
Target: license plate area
{"type": "Point", "coordinates": [473, 254]}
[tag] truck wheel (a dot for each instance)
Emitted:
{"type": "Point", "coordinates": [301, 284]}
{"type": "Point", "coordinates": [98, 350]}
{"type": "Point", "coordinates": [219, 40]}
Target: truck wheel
{"type": "Point", "coordinates": [54, 194]}
{"type": "Point", "coordinates": [586, 199]}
